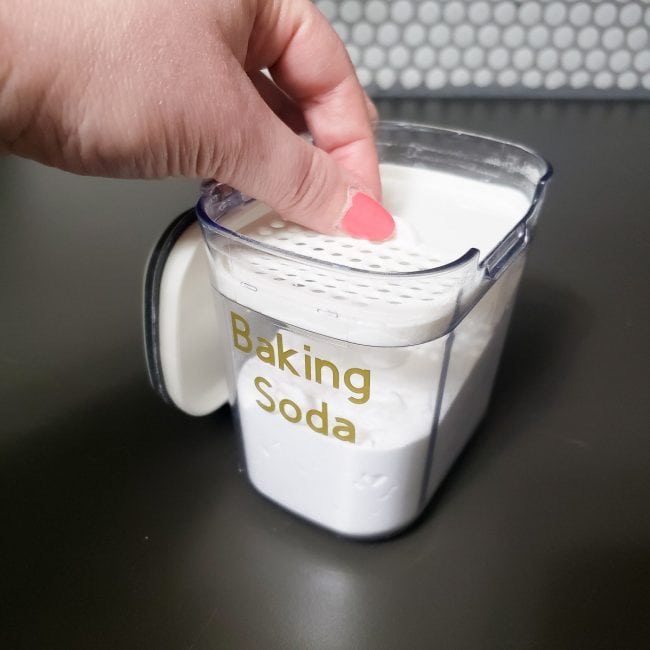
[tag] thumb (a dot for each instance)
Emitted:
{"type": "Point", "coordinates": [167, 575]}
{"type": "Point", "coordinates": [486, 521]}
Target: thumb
{"type": "Point", "coordinates": [311, 188]}
{"type": "Point", "coordinates": [301, 182]}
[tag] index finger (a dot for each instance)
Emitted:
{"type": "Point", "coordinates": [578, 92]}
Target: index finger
{"type": "Point", "coordinates": [310, 63]}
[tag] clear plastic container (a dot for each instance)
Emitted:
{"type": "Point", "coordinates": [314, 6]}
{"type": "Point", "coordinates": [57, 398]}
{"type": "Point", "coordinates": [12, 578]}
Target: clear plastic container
{"type": "Point", "coordinates": [359, 370]}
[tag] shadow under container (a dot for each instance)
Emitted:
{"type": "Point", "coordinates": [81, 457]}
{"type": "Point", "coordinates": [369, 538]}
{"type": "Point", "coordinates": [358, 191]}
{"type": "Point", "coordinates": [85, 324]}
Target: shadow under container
{"type": "Point", "coordinates": [356, 384]}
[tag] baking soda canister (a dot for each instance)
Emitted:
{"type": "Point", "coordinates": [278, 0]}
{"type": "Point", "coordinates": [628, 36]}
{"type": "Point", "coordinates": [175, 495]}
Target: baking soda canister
{"type": "Point", "coordinates": [359, 370]}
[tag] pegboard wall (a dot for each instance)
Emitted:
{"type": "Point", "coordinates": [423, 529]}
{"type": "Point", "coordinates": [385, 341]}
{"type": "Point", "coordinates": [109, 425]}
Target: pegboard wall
{"type": "Point", "coordinates": [503, 47]}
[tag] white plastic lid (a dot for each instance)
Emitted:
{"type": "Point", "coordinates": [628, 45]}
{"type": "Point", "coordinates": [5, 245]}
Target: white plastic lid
{"type": "Point", "coordinates": [184, 352]}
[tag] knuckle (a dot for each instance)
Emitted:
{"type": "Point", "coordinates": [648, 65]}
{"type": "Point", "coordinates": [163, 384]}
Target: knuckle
{"type": "Point", "coordinates": [222, 154]}
{"type": "Point", "coordinates": [306, 190]}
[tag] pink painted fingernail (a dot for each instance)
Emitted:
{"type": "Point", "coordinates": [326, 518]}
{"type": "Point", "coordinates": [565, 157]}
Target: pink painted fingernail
{"type": "Point", "coordinates": [367, 219]}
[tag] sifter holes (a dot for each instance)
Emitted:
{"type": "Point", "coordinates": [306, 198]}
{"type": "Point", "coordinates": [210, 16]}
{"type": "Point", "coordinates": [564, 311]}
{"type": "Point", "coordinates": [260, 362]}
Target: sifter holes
{"type": "Point", "coordinates": [301, 282]}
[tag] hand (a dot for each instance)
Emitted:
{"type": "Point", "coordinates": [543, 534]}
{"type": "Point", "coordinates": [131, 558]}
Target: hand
{"type": "Point", "coordinates": [155, 88]}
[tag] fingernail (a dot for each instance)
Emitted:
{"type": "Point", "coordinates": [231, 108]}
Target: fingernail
{"type": "Point", "coordinates": [367, 219]}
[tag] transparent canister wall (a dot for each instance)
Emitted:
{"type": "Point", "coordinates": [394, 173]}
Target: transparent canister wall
{"type": "Point", "coordinates": [351, 410]}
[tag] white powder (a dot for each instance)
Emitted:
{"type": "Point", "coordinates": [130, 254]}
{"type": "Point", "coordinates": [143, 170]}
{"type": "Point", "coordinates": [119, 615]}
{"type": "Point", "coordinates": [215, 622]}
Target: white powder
{"type": "Point", "coordinates": [379, 481]}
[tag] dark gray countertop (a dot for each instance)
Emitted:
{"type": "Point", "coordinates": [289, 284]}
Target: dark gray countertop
{"type": "Point", "coordinates": [126, 524]}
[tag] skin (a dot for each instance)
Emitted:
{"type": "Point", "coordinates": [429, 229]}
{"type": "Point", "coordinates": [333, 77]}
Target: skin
{"type": "Point", "coordinates": [156, 88]}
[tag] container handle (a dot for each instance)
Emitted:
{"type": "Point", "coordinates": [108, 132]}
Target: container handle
{"type": "Point", "coordinates": [501, 257]}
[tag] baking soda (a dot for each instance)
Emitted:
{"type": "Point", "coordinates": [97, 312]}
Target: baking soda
{"type": "Point", "coordinates": [353, 395]}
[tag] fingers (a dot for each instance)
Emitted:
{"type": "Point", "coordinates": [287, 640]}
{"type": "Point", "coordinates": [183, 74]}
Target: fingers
{"type": "Point", "coordinates": [330, 187]}
{"type": "Point", "coordinates": [310, 63]}
{"type": "Point", "coordinates": [301, 182]}
{"type": "Point", "coordinates": [287, 110]}
{"type": "Point", "coordinates": [279, 102]}
{"type": "Point", "coordinates": [373, 115]}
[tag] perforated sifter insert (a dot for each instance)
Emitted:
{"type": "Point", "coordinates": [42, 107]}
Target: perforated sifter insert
{"type": "Point", "coordinates": [401, 254]}
{"type": "Point", "coordinates": [360, 291]}
{"type": "Point", "coordinates": [398, 292]}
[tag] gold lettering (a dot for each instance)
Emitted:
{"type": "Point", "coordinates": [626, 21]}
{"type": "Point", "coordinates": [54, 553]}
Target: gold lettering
{"type": "Point", "coordinates": [362, 390]}
{"type": "Point", "coordinates": [307, 362]}
{"type": "Point", "coordinates": [270, 407]}
{"type": "Point", "coordinates": [265, 351]}
{"type": "Point", "coordinates": [345, 431]}
{"type": "Point", "coordinates": [240, 330]}
{"type": "Point", "coordinates": [323, 363]}
{"type": "Point", "coordinates": [283, 356]}
{"type": "Point", "coordinates": [297, 415]}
